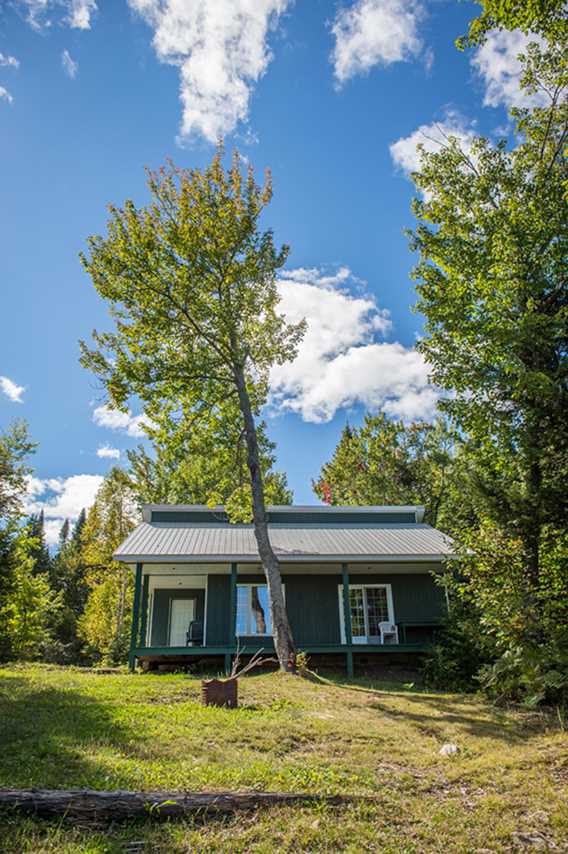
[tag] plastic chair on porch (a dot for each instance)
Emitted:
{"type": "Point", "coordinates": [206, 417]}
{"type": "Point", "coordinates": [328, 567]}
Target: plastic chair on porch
{"type": "Point", "coordinates": [389, 632]}
{"type": "Point", "coordinates": [194, 635]}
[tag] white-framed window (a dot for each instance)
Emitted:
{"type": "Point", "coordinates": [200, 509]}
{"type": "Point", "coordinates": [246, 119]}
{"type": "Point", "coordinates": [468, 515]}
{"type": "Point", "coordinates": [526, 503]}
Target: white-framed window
{"type": "Point", "coordinates": [370, 605]}
{"type": "Point", "coordinates": [253, 610]}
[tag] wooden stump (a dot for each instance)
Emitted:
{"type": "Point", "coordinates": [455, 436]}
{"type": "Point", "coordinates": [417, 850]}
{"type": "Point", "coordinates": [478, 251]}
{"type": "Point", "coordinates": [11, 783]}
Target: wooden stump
{"type": "Point", "coordinates": [220, 692]}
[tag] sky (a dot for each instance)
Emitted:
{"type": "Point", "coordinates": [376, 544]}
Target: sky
{"type": "Point", "coordinates": [332, 96]}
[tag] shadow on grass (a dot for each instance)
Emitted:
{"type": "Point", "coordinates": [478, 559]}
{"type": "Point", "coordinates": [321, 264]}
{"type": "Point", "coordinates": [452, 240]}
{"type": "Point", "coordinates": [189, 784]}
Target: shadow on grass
{"type": "Point", "coordinates": [48, 733]}
{"type": "Point", "coordinates": [484, 720]}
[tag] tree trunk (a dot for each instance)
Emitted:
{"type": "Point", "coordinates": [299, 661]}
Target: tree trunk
{"type": "Point", "coordinates": [283, 640]}
{"type": "Point", "coordinates": [91, 805]}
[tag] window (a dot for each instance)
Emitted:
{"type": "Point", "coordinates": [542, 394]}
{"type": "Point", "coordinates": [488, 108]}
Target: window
{"type": "Point", "coordinates": [370, 605]}
{"type": "Point", "coordinates": [253, 610]}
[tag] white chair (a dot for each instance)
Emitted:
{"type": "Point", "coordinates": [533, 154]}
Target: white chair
{"type": "Point", "coordinates": [389, 632]}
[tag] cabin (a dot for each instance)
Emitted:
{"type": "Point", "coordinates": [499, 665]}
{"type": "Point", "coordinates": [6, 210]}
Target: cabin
{"type": "Point", "coordinates": [359, 582]}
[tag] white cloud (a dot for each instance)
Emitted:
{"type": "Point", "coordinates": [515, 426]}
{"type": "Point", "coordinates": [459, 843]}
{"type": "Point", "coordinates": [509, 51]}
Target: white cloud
{"type": "Point", "coordinates": [60, 499]}
{"type": "Point", "coordinates": [221, 51]}
{"type": "Point", "coordinates": [497, 63]}
{"type": "Point", "coordinates": [6, 95]}
{"type": "Point", "coordinates": [80, 11]}
{"type": "Point", "coordinates": [340, 361]}
{"type": "Point", "coordinates": [432, 137]}
{"type": "Point", "coordinates": [11, 390]}
{"type": "Point", "coordinates": [70, 67]}
{"type": "Point", "coordinates": [106, 452]}
{"type": "Point", "coordinates": [133, 425]}
{"type": "Point", "coordinates": [77, 13]}
{"type": "Point", "coordinates": [375, 32]}
{"type": "Point", "coordinates": [9, 61]}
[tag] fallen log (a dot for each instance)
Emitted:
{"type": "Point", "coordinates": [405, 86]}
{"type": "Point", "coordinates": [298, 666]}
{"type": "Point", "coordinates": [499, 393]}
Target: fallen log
{"type": "Point", "coordinates": [91, 805]}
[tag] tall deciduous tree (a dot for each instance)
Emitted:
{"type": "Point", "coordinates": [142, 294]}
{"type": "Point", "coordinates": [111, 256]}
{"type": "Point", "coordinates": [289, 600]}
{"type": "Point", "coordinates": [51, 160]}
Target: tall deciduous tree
{"type": "Point", "coordinates": [191, 282]}
{"type": "Point", "coordinates": [111, 518]}
{"type": "Point", "coordinates": [492, 284]}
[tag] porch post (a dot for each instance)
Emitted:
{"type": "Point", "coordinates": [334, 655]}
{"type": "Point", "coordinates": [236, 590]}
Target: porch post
{"type": "Point", "coordinates": [144, 615]}
{"type": "Point", "coordinates": [135, 617]}
{"type": "Point", "coordinates": [347, 619]}
{"type": "Point", "coordinates": [232, 615]}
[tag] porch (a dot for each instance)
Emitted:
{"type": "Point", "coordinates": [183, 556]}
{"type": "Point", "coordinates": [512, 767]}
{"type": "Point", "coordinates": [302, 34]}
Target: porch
{"type": "Point", "coordinates": [331, 611]}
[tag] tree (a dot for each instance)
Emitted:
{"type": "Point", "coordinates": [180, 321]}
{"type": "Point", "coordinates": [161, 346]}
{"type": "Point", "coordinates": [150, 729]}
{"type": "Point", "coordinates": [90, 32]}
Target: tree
{"type": "Point", "coordinates": [15, 447]}
{"type": "Point", "coordinates": [493, 239]}
{"type": "Point", "coordinates": [388, 462]}
{"type": "Point", "coordinates": [31, 608]}
{"type": "Point", "coordinates": [196, 464]}
{"type": "Point", "coordinates": [64, 534]}
{"type": "Point", "coordinates": [38, 548]}
{"type": "Point", "coordinates": [191, 282]}
{"type": "Point", "coordinates": [111, 518]}
{"type": "Point", "coordinates": [546, 17]}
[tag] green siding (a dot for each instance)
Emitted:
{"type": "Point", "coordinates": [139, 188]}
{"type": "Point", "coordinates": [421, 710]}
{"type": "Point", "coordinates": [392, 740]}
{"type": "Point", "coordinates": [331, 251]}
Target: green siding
{"type": "Point", "coordinates": [282, 518]}
{"type": "Point", "coordinates": [312, 602]}
{"type": "Point", "coordinates": [161, 611]}
{"type": "Point", "coordinates": [218, 610]}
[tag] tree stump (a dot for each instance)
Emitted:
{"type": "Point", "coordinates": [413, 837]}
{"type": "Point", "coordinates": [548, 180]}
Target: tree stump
{"type": "Point", "coordinates": [220, 692]}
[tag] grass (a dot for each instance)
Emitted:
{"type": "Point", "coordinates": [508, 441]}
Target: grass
{"type": "Point", "coordinates": [505, 790]}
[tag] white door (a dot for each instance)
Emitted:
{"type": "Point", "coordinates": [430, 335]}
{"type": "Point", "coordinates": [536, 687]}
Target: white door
{"type": "Point", "coordinates": [182, 612]}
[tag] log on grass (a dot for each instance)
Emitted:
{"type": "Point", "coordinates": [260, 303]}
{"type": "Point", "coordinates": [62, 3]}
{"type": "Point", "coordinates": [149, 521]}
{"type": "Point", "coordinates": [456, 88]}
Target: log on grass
{"type": "Point", "coordinates": [88, 804]}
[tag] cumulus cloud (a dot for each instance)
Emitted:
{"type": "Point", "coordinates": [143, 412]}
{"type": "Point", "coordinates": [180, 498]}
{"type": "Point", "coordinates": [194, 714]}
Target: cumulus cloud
{"type": "Point", "coordinates": [9, 61]}
{"type": "Point", "coordinates": [11, 390]}
{"type": "Point", "coordinates": [60, 499]}
{"type": "Point", "coordinates": [375, 32]}
{"type": "Point", "coordinates": [497, 63]}
{"type": "Point", "coordinates": [70, 67]}
{"type": "Point", "coordinates": [221, 51]}
{"type": "Point", "coordinates": [113, 419]}
{"type": "Point", "coordinates": [432, 137]}
{"type": "Point", "coordinates": [5, 95]}
{"type": "Point", "coordinates": [106, 452]}
{"type": "Point", "coordinates": [342, 360]}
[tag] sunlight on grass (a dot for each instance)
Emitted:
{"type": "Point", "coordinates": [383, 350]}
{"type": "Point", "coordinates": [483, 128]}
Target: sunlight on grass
{"type": "Point", "coordinates": [72, 728]}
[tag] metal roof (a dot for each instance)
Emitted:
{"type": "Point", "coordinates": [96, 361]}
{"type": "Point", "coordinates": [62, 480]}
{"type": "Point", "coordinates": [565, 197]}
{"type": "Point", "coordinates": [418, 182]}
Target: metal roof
{"type": "Point", "coordinates": [211, 542]}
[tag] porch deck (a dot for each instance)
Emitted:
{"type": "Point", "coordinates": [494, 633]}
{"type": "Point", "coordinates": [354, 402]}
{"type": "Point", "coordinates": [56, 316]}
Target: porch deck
{"type": "Point", "coordinates": [185, 653]}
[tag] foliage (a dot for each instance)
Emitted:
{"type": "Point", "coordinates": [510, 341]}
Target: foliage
{"type": "Point", "coordinates": [492, 238]}
{"type": "Point", "coordinates": [388, 462]}
{"type": "Point", "coordinates": [31, 607]}
{"type": "Point", "coordinates": [191, 284]}
{"type": "Point", "coordinates": [196, 463]}
{"type": "Point", "coordinates": [15, 447]}
{"type": "Point", "coordinates": [547, 17]}
{"type": "Point", "coordinates": [105, 622]}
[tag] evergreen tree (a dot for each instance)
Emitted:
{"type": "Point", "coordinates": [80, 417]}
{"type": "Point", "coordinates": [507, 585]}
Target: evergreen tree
{"type": "Point", "coordinates": [31, 608]}
{"type": "Point", "coordinates": [388, 462]}
{"type": "Point", "coordinates": [39, 550]}
{"type": "Point", "coordinates": [64, 534]}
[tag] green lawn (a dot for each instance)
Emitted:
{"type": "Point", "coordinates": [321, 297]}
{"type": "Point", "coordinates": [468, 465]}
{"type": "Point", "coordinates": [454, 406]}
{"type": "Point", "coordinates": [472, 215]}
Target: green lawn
{"type": "Point", "coordinates": [504, 791]}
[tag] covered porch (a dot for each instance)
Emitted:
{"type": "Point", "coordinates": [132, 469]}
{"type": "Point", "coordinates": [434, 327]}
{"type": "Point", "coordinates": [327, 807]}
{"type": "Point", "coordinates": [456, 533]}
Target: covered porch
{"type": "Point", "coordinates": [181, 617]}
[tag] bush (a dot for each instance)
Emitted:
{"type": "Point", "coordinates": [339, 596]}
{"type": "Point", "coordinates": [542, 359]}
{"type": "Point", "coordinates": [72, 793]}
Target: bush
{"type": "Point", "coordinates": [530, 675]}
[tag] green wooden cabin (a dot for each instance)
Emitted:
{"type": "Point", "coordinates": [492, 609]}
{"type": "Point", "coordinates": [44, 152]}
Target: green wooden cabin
{"type": "Point", "coordinates": [358, 581]}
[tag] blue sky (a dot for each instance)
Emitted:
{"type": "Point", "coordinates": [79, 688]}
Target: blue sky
{"type": "Point", "coordinates": [331, 96]}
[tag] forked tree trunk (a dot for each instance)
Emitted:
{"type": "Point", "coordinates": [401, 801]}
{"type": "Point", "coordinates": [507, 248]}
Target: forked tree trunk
{"type": "Point", "coordinates": [283, 640]}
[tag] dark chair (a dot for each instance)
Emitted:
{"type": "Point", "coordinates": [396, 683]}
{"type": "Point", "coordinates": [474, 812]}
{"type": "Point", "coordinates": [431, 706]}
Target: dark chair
{"type": "Point", "coordinates": [194, 636]}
